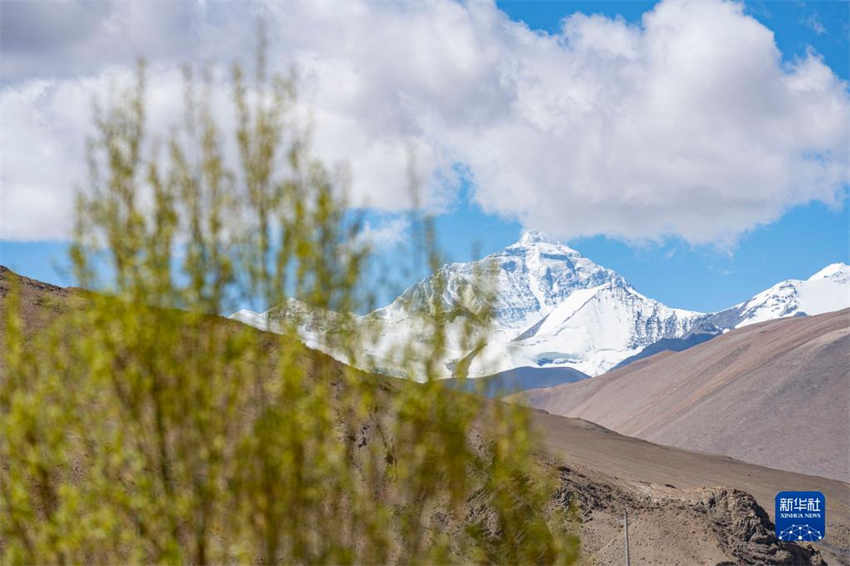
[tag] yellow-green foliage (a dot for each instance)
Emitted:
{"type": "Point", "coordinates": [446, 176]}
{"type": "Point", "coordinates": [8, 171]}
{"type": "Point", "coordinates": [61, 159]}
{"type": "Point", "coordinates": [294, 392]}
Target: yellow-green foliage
{"type": "Point", "coordinates": [143, 427]}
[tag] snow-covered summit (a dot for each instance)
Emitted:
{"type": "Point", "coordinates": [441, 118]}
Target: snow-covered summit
{"type": "Point", "coordinates": [528, 278]}
{"type": "Point", "coordinates": [533, 237]}
{"type": "Point", "coordinates": [835, 271]}
{"type": "Point", "coordinates": [552, 307]}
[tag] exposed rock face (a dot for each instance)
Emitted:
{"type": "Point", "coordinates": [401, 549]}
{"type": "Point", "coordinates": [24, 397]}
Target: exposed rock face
{"type": "Point", "coordinates": [718, 525]}
{"type": "Point", "coordinates": [744, 530]}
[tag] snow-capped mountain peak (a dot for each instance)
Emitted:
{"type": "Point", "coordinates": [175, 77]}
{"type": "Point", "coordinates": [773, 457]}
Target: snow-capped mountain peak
{"type": "Point", "coordinates": [531, 238]}
{"type": "Point", "coordinates": [530, 277]}
{"type": "Point", "coordinates": [552, 307]}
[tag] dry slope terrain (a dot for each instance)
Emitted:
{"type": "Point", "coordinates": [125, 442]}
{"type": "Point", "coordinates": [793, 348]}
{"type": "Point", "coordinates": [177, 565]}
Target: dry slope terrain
{"type": "Point", "coordinates": [775, 394]}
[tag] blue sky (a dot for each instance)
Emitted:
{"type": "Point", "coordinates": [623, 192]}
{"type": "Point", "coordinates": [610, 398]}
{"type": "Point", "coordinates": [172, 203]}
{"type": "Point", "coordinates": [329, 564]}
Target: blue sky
{"type": "Point", "coordinates": [690, 269]}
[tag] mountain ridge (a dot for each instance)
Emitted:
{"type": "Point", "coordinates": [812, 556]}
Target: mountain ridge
{"type": "Point", "coordinates": [555, 308]}
{"type": "Point", "coordinates": [821, 292]}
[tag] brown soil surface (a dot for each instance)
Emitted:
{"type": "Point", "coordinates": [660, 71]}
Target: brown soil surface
{"type": "Point", "coordinates": [775, 394]}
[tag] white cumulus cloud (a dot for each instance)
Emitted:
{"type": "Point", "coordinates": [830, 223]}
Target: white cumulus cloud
{"type": "Point", "coordinates": [689, 122]}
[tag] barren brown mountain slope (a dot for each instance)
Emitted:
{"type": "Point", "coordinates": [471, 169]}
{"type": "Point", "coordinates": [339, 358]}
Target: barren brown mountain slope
{"type": "Point", "coordinates": [684, 508]}
{"type": "Point", "coordinates": [39, 302]}
{"type": "Point", "coordinates": [664, 490]}
{"type": "Point", "coordinates": [775, 394]}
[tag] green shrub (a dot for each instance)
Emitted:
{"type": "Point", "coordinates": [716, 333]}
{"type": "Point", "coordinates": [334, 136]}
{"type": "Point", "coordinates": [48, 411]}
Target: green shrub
{"type": "Point", "coordinates": [141, 426]}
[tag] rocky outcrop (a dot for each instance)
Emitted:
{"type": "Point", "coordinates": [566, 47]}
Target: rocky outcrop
{"type": "Point", "coordinates": [745, 531]}
{"type": "Point", "coordinates": [716, 522]}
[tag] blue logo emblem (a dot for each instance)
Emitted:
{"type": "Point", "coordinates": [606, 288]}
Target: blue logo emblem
{"type": "Point", "coordinates": [800, 516]}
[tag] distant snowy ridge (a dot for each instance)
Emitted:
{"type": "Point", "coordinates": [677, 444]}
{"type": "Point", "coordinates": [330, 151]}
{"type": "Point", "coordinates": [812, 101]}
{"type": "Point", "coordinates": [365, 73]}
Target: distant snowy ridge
{"type": "Point", "coordinates": [315, 327]}
{"type": "Point", "coordinates": [825, 291]}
